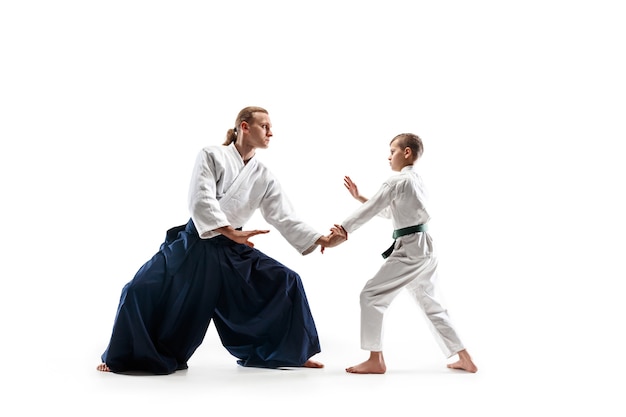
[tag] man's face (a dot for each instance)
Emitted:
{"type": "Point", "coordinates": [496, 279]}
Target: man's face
{"type": "Point", "coordinates": [260, 131]}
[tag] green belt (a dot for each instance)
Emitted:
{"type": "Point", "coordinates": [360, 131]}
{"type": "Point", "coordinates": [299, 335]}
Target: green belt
{"type": "Point", "coordinates": [403, 232]}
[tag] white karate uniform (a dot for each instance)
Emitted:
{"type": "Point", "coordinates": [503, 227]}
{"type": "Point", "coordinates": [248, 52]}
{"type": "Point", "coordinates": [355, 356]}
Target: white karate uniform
{"type": "Point", "coordinates": [411, 265]}
{"type": "Point", "coordinates": [226, 191]}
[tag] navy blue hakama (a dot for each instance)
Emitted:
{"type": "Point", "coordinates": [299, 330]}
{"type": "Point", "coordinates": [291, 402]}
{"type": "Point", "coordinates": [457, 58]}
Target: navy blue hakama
{"type": "Point", "coordinates": [258, 305]}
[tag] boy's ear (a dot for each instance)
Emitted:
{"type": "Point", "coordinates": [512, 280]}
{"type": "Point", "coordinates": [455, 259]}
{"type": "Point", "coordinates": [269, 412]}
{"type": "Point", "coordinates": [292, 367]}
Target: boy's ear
{"type": "Point", "coordinates": [408, 153]}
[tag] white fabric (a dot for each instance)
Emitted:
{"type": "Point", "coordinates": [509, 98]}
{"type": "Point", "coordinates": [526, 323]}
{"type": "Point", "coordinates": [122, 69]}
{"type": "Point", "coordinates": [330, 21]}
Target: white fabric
{"type": "Point", "coordinates": [226, 191]}
{"type": "Point", "coordinates": [402, 197]}
{"type": "Point", "coordinates": [412, 264]}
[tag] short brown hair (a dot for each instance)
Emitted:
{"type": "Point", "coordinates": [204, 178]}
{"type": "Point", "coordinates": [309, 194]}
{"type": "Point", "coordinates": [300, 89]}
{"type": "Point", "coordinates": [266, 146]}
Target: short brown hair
{"type": "Point", "coordinates": [412, 141]}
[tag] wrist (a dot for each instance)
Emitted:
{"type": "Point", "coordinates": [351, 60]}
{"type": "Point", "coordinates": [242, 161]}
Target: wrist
{"type": "Point", "coordinates": [227, 231]}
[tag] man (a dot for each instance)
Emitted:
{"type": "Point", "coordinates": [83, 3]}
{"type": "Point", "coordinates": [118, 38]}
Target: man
{"type": "Point", "coordinates": [209, 270]}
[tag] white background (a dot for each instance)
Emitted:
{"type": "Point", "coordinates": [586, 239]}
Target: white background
{"type": "Point", "coordinates": [104, 105]}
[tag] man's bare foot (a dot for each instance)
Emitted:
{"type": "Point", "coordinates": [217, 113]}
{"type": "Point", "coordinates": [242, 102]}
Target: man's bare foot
{"type": "Point", "coordinates": [313, 364]}
{"type": "Point", "coordinates": [464, 363]}
{"type": "Point", "coordinates": [103, 368]}
{"type": "Point", "coordinates": [374, 365]}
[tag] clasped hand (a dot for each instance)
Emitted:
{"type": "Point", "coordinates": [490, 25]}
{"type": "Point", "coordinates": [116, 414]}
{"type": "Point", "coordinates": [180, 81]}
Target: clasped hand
{"type": "Point", "coordinates": [337, 236]}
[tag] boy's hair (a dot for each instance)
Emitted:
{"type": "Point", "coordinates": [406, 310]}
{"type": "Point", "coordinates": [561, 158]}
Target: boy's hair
{"type": "Point", "coordinates": [412, 141]}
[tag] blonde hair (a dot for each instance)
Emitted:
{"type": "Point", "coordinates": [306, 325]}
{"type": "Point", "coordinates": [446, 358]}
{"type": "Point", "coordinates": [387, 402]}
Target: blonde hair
{"type": "Point", "coordinates": [411, 141]}
{"type": "Point", "coordinates": [245, 115]}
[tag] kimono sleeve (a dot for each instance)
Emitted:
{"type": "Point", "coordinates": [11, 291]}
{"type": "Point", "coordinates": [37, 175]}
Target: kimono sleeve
{"type": "Point", "coordinates": [277, 210]}
{"type": "Point", "coordinates": [378, 204]}
{"type": "Point", "coordinates": [203, 204]}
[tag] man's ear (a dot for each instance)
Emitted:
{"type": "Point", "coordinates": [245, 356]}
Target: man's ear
{"type": "Point", "coordinates": [245, 126]}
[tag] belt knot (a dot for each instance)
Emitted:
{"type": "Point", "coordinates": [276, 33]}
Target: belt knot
{"type": "Point", "coordinates": [403, 232]}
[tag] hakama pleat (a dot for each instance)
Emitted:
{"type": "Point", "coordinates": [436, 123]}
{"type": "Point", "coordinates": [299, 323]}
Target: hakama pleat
{"type": "Point", "coordinates": [258, 305]}
{"type": "Point", "coordinates": [263, 316]}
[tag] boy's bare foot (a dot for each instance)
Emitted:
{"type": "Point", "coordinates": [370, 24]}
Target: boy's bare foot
{"type": "Point", "coordinates": [374, 365]}
{"type": "Point", "coordinates": [103, 368]}
{"type": "Point", "coordinates": [464, 363]}
{"type": "Point", "coordinates": [313, 364]}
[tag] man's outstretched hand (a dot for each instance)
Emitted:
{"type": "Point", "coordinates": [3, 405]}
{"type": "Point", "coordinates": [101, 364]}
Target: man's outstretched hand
{"type": "Point", "coordinates": [240, 236]}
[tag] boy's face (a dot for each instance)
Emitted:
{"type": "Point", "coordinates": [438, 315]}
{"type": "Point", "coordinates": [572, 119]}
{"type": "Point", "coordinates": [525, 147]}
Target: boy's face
{"type": "Point", "coordinates": [398, 157]}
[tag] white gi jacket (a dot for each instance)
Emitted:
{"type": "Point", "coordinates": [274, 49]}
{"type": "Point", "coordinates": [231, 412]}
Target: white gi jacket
{"type": "Point", "coordinates": [401, 197]}
{"type": "Point", "coordinates": [225, 191]}
{"type": "Point", "coordinates": [412, 265]}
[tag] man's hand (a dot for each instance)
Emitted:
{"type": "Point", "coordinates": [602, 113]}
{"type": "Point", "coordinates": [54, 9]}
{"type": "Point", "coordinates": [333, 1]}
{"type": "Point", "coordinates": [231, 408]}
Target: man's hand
{"type": "Point", "coordinates": [240, 236]}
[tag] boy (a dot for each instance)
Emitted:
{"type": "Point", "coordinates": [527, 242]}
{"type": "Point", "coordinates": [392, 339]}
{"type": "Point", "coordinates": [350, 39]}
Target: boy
{"type": "Point", "coordinates": [410, 263]}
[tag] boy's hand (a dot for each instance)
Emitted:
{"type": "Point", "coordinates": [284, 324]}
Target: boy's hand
{"type": "Point", "coordinates": [353, 189]}
{"type": "Point", "coordinates": [337, 236]}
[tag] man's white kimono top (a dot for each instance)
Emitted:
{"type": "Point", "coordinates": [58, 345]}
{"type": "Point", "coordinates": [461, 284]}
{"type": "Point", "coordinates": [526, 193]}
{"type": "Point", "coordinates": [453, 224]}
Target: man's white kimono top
{"type": "Point", "coordinates": [225, 191]}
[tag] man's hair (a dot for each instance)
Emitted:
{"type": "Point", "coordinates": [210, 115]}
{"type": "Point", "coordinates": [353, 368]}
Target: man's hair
{"type": "Point", "coordinates": [245, 115]}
